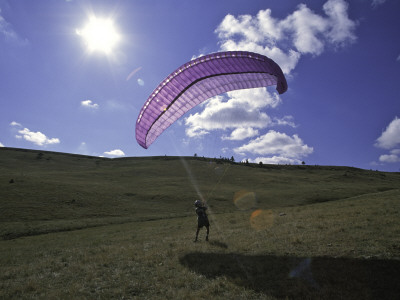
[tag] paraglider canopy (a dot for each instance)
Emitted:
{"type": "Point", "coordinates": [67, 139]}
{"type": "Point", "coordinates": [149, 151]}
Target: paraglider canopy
{"type": "Point", "coordinates": [200, 79]}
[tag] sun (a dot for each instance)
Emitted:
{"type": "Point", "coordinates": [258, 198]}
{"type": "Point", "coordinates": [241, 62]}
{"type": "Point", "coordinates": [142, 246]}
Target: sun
{"type": "Point", "coordinates": [100, 35]}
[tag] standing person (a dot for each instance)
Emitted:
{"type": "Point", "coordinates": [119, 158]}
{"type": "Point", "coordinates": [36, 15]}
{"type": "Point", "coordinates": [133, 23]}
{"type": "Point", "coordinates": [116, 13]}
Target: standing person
{"type": "Point", "coordinates": [202, 219]}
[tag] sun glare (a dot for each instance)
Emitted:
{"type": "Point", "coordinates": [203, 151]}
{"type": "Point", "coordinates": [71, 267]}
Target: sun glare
{"type": "Point", "coordinates": [100, 35]}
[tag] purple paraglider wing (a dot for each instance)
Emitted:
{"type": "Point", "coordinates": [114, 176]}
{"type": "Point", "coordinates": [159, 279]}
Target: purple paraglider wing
{"type": "Point", "coordinates": [199, 80]}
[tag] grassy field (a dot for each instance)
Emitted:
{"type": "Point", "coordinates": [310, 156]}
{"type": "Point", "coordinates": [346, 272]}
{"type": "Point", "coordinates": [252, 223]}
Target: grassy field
{"type": "Point", "coordinates": [80, 227]}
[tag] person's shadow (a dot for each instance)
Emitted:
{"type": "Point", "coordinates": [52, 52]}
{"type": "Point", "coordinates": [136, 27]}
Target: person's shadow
{"type": "Point", "coordinates": [301, 277]}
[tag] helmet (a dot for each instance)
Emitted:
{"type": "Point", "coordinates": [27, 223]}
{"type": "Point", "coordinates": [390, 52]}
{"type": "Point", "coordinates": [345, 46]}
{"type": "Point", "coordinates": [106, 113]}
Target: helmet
{"type": "Point", "coordinates": [197, 203]}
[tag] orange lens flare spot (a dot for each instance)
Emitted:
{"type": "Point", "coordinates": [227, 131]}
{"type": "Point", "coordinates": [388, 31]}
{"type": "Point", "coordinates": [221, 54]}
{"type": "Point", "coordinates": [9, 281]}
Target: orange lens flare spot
{"type": "Point", "coordinates": [255, 213]}
{"type": "Point", "coordinates": [262, 219]}
{"type": "Point", "coordinates": [244, 200]}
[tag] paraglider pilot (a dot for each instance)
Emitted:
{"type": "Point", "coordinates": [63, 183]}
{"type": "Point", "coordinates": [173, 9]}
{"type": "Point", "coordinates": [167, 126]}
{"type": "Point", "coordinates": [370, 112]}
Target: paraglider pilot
{"type": "Point", "coordinates": [202, 219]}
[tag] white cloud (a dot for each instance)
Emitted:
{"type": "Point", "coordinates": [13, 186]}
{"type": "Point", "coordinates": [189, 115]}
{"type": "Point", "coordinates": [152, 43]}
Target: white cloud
{"type": "Point", "coordinates": [115, 153]}
{"type": "Point", "coordinates": [285, 121]}
{"type": "Point", "coordinates": [37, 138]}
{"type": "Point", "coordinates": [389, 158]}
{"type": "Point", "coordinates": [241, 134]}
{"type": "Point", "coordinates": [393, 157]}
{"type": "Point", "coordinates": [240, 110]}
{"type": "Point", "coordinates": [13, 123]}
{"type": "Point", "coordinates": [9, 34]}
{"type": "Point", "coordinates": [268, 26]}
{"type": "Point", "coordinates": [390, 138]}
{"type": "Point", "coordinates": [395, 151]}
{"type": "Point", "coordinates": [276, 160]}
{"type": "Point", "coordinates": [1, 145]}
{"type": "Point", "coordinates": [278, 144]}
{"type": "Point", "coordinates": [89, 104]}
{"type": "Point", "coordinates": [341, 28]}
{"type": "Point", "coordinates": [220, 114]}
{"type": "Point", "coordinates": [305, 28]}
{"type": "Point", "coordinates": [243, 25]}
{"type": "Point", "coordinates": [302, 32]}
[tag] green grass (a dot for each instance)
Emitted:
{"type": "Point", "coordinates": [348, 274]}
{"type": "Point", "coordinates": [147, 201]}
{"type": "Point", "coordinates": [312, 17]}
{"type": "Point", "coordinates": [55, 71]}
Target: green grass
{"type": "Point", "coordinates": [76, 227]}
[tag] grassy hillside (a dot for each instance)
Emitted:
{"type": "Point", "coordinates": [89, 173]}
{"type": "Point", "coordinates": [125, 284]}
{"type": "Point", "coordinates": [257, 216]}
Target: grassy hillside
{"type": "Point", "coordinates": [75, 226]}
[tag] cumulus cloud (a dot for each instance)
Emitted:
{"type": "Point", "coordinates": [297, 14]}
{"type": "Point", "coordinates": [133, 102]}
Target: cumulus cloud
{"type": "Point", "coordinates": [37, 138]}
{"type": "Point", "coordinates": [241, 133]}
{"type": "Point", "coordinates": [1, 145]}
{"type": "Point", "coordinates": [277, 144]}
{"type": "Point", "coordinates": [115, 153]}
{"type": "Point", "coordinates": [285, 40]}
{"type": "Point", "coordinates": [240, 111]}
{"type": "Point", "coordinates": [390, 137]}
{"type": "Point", "coordinates": [390, 140]}
{"type": "Point", "coordinates": [305, 28]}
{"type": "Point", "coordinates": [89, 104]}
{"type": "Point", "coordinates": [341, 28]}
{"type": "Point", "coordinates": [393, 157]}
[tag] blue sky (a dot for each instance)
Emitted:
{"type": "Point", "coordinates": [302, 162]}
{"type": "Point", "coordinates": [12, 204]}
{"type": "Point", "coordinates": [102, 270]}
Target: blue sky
{"type": "Point", "coordinates": [59, 92]}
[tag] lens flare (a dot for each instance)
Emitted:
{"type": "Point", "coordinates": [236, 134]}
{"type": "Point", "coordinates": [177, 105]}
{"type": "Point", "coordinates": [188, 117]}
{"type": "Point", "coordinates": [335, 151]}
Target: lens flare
{"type": "Point", "coordinates": [262, 219]}
{"type": "Point", "coordinates": [244, 200]}
{"type": "Point", "coordinates": [133, 73]}
{"type": "Point", "coordinates": [304, 271]}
